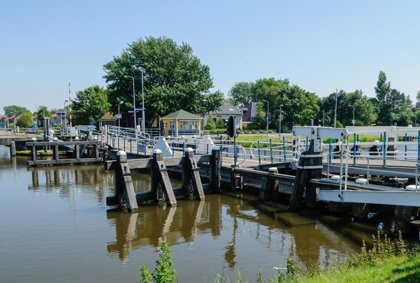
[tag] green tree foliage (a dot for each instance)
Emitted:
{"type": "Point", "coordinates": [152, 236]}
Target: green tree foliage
{"type": "Point", "coordinates": [394, 106]}
{"type": "Point", "coordinates": [25, 120]}
{"type": "Point", "coordinates": [173, 78]}
{"type": "Point", "coordinates": [365, 112]}
{"type": "Point", "coordinates": [14, 110]}
{"type": "Point", "coordinates": [90, 104]}
{"type": "Point", "coordinates": [242, 93]}
{"type": "Point", "coordinates": [220, 123]}
{"type": "Point", "coordinates": [210, 125]}
{"type": "Point", "coordinates": [42, 111]}
{"type": "Point", "coordinates": [259, 121]}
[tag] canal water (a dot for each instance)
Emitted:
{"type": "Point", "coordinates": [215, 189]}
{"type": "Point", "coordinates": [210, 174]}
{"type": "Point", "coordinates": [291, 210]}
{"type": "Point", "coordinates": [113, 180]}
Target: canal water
{"type": "Point", "coordinates": [55, 227]}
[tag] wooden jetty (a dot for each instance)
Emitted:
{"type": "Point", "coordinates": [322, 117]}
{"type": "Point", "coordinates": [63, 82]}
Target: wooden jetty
{"type": "Point", "coordinates": [82, 152]}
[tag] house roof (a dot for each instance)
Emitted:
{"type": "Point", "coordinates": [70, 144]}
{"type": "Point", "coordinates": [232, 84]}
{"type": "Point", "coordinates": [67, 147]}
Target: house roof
{"type": "Point", "coordinates": [182, 114]}
{"type": "Point", "coordinates": [108, 116]}
{"type": "Point", "coordinates": [227, 109]}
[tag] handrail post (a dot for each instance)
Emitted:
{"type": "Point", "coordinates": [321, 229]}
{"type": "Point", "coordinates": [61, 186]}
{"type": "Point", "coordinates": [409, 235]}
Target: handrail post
{"type": "Point", "coordinates": [384, 151]}
{"type": "Point", "coordinates": [354, 149]}
{"type": "Point", "coordinates": [405, 145]}
{"type": "Point", "coordinates": [284, 149]}
{"type": "Point", "coordinates": [271, 151]}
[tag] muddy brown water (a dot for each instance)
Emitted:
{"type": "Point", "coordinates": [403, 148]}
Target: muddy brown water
{"type": "Point", "coordinates": [55, 227]}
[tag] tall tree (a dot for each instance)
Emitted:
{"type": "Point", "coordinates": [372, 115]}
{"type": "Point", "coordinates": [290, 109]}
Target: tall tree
{"type": "Point", "coordinates": [272, 93]}
{"type": "Point", "coordinates": [242, 93]}
{"type": "Point", "coordinates": [174, 78]}
{"type": "Point", "coordinates": [14, 110]}
{"type": "Point", "coordinates": [90, 104]}
{"type": "Point", "coordinates": [383, 91]}
{"type": "Point", "coordinates": [394, 106]}
{"type": "Point", "coordinates": [42, 111]}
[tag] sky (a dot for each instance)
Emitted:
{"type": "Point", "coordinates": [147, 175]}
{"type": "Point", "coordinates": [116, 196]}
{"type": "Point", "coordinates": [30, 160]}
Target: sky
{"type": "Point", "coordinates": [319, 45]}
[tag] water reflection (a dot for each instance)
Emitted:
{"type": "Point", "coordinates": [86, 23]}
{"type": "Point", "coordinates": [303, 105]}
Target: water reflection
{"type": "Point", "coordinates": [312, 243]}
{"type": "Point", "coordinates": [92, 178]}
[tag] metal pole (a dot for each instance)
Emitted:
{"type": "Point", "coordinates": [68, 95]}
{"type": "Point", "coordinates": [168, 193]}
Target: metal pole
{"type": "Point", "coordinates": [266, 115]}
{"type": "Point", "coordinates": [143, 114]}
{"type": "Point", "coordinates": [353, 121]}
{"type": "Point", "coordinates": [134, 106]}
{"type": "Point", "coordinates": [335, 109]}
{"type": "Point", "coordinates": [280, 118]}
{"type": "Point", "coordinates": [65, 116]}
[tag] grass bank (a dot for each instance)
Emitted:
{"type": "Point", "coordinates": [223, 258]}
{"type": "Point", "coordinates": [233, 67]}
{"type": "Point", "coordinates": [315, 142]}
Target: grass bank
{"type": "Point", "coordinates": [402, 268]}
{"type": "Point", "coordinates": [386, 261]}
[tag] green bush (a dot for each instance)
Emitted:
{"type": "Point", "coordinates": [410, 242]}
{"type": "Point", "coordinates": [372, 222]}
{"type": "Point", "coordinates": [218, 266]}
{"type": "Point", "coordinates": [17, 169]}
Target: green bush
{"type": "Point", "coordinates": [210, 125]}
{"type": "Point", "coordinates": [164, 270]}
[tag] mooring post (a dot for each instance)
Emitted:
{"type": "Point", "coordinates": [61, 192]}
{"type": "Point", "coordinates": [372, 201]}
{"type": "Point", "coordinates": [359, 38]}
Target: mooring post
{"type": "Point", "coordinates": [215, 169]}
{"type": "Point", "coordinates": [12, 149]}
{"type": "Point", "coordinates": [191, 181]}
{"type": "Point", "coordinates": [33, 150]}
{"type": "Point", "coordinates": [268, 184]}
{"type": "Point", "coordinates": [55, 149]}
{"type": "Point", "coordinates": [160, 179]}
{"type": "Point", "coordinates": [124, 187]}
{"type": "Point", "coordinates": [77, 149]}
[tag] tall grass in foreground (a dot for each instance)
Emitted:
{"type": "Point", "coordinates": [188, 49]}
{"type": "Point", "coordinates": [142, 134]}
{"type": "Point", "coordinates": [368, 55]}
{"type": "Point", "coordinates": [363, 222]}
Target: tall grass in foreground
{"type": "Point", "coordinates": [388, 260]}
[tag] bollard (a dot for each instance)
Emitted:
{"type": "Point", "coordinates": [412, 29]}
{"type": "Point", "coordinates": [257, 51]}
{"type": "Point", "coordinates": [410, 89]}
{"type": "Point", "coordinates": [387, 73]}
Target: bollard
{"type": "Point", "coordinates": [12, 149]}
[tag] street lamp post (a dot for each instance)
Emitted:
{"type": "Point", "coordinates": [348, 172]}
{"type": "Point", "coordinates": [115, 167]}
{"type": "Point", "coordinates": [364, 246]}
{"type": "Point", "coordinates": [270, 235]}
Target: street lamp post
{"type": "Point", "coordinates": [134, 105]}
{"type": "Point", "coordinates": [143, 114]}
{"type": "Point", "coordinates": [266, 115]}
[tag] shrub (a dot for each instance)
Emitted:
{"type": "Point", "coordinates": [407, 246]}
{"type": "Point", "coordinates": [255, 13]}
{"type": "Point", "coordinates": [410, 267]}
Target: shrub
{"type": "Point", "coordinates": [164, 270]}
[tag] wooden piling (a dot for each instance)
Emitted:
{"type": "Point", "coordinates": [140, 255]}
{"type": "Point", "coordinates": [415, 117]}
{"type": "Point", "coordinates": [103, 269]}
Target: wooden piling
{"type": "Point", "coordinates": [12, 149]}
{"type": "Point", "coordinates": [160, 179]}
{"type": "Point", "coordinates": [124, 190]}
{"type": "Point", "coordinates": [191, 181]}
{"type": "Point", "coordinates": [215, 169]}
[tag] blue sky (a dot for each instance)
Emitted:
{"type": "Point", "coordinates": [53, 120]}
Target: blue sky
{"type": "Point", "coordinates": [318, 45]}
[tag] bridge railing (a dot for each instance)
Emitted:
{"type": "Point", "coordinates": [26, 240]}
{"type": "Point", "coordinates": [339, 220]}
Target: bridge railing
{"type": "Point", "coordinates": [127, 139]}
